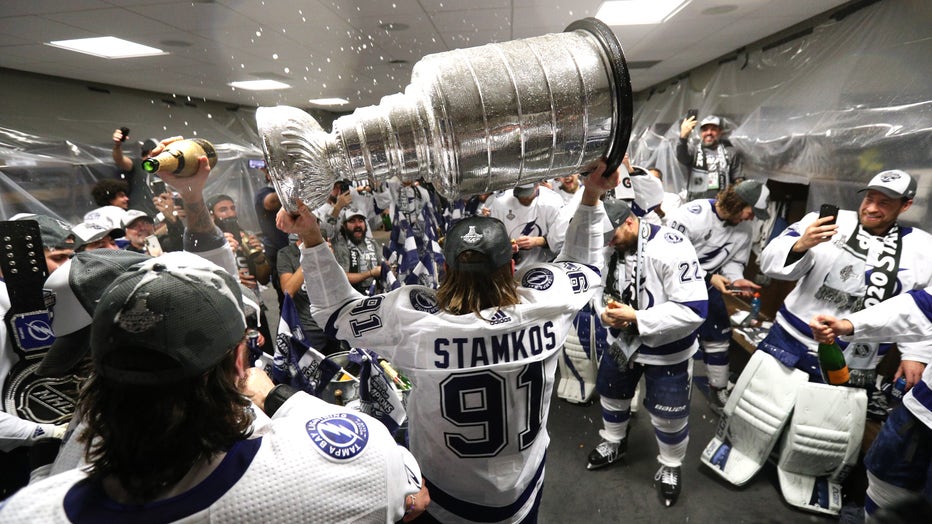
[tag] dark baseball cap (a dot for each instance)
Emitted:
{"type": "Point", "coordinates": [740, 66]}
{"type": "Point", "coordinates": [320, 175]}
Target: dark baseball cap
{"type": "Point", "coordinates": [78, 285]}
{"type": "Point", "coordinates": [754, 194]}
{"type": "Point", "coordinates": [55, 233]}
{"type": "Point", "coordinates": [485, 235]}
{"type": "Point", "coordinates": [148, 145]}
{"type": "Point", "coordinates": [525, 191]}
{"type": "Point", "coordinates": [164, 321]}
{"type": "Point", "coordinates": [617, 211]}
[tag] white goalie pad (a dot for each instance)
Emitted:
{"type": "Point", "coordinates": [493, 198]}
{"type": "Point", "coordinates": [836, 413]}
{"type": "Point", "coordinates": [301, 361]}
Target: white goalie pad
{"type": "Point", "coordinates": [821, 446]}
{"type": "Point", "coordinates": [756, 411]}
{"type": "Point", "coordinates": [577, 372]}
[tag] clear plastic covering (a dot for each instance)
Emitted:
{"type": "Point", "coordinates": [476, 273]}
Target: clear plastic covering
{"type": "Point", "coordinates": [829, 109]}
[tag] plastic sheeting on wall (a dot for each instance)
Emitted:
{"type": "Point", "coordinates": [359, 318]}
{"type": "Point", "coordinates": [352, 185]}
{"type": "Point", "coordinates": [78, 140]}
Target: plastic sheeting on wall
{"type": "Point", "coordinates": [829, 109]}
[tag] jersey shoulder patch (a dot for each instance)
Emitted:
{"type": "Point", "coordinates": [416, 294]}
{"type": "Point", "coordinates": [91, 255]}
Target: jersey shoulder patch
{"type": "Point", "coordinates": [672, 237]}
{"type": "Point", "coordinates": [424, 300]}
{"type": "Point", "coordinates": [338, 437]}
{"type": "Point", "coordinates": [694, 209]}
{"type": "Point", "coordinates": [538, 278]}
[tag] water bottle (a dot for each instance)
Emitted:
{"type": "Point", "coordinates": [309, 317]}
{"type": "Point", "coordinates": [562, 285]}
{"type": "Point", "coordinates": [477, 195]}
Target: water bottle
{"type": "Point", "coordinates": [832, 364]}
{"type": "Point", "coordinates": [753, 317]}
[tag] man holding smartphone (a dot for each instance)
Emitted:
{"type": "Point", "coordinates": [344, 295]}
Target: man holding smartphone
{"type": "Point", "coordinates": [713, 164]}
{"type": "Point", "coordinates": [863, 259]}
{"type": "Point", "coordinates": [140, 195]}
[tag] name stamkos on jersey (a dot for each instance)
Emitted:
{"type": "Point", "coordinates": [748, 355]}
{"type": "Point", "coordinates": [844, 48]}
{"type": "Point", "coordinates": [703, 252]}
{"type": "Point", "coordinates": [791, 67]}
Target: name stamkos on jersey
{"type": "Point", "coordinates": [339, 437]}
{"type": "Point", "coordinates": [538, 278]}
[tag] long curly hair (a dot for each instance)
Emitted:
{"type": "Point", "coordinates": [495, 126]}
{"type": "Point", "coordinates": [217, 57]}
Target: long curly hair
{"type": "Point", "coordinates": [730, 203]}
{"type": "Point", "coordinates": [463, 292]}
{"type": "Point", "coordinates": [149, 437]}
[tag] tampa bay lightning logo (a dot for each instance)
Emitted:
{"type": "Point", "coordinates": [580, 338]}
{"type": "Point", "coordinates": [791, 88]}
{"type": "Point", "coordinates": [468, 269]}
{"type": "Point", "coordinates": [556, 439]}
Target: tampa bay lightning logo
{"type": "Point", "coordinates": [672, 238]}
{"type": "Point", "coordinates": [694, 209]}
{"type": "Point", "coordinates": [423, 300]}
{"type": "Point", "coordinates": [32, 330]}
{"type": "Point", "coordinates": [341, 436]}
{"type": "Point", "coordinates": [538, 278]}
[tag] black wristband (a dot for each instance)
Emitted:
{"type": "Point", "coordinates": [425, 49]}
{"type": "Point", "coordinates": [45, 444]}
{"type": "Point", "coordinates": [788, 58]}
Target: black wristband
{"type": "Point", "coordinates": [277, 397]}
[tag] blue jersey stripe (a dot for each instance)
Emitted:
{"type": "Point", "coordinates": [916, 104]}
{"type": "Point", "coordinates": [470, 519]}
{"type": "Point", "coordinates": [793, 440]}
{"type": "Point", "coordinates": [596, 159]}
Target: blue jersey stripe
{"type": "Point", "coordinates": [480, 513]}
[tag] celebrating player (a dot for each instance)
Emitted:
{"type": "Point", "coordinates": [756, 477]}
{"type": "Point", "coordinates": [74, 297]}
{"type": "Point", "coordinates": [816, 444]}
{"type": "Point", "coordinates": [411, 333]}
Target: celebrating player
{"type": "Point", "coordinates": [481, 350]}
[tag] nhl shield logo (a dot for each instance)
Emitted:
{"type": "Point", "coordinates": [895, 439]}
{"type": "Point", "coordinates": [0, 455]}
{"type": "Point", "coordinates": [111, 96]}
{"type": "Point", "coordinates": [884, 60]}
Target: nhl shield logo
{"type": "Point", "coordinates": [890, 177]}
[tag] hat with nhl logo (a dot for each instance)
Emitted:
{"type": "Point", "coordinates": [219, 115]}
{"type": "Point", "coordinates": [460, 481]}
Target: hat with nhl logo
{"type": "Point", "coordinates": [894, 183]}
{"type": "Point", "coordinates": [484, 235]}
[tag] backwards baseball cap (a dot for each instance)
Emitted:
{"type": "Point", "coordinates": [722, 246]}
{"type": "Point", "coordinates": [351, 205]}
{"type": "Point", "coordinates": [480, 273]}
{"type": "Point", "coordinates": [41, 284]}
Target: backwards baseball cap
{"type": "Point", "coordinates": [134, 214]}
{"type": "Point", "coordinates": [754, 194]}
{"type": "Point", "coordinates": [894, 183]}
{"type": "Point", "coordinates": [166, 320]}
{"type": "Point", "coordinates": [55, 233]}
{"type": "Point", "coordinates": [214, 200]}
{"type": "Point", "coordinates": [617, 211]}
{"type": "Point", "coordinates": [485, 235]}
{"type": "Point", "coordinates": [710, 120]}
{"type": "Point", "coordinates": [87, 232]}
{"type": "Point", "coordinates": [148, 145]}
{"type": "Point", "coordinates": [525, 190]}
{"type": "Point", "coordinates": [78, 285]}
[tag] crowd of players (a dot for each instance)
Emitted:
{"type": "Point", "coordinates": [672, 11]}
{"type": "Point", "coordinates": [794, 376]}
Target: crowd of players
{"type": "Point", "coordinates": [478, 302]}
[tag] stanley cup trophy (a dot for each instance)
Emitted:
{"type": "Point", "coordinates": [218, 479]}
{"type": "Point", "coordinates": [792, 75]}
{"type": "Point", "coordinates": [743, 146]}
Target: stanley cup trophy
{"type": "Point", "coordinates": [471, 121]}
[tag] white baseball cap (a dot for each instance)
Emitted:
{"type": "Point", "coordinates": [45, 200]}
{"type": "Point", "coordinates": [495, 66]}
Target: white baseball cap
{"type": "Point", "coordinates": [894, 183]}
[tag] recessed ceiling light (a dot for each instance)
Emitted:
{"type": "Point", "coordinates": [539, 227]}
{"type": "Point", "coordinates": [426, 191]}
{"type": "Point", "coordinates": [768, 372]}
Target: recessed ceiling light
{"type": "Point", "coordinates": [393, 26]}
{"type": "Point", "coordinates": [329, 101]}
{"type": "Point", "coordinates": [639, 12]}
{"type": "Point", "coordinates": [107, 47]}
{"type": "Point", "coordinates": [259, 85]}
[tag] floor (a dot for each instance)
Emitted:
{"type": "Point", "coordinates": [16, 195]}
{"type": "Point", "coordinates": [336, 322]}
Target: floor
{"type": "Point", "coordinates": [624, 490]}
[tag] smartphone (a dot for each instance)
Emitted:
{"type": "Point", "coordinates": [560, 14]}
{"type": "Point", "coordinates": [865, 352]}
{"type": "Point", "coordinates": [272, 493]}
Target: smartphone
{"type": "Point", "coordinates": [692, 113]}
{"type": "Point", "coordinates": [125, 132]}
{"type": "Point", "coordinates": [158, 186]}
{"type": "Point", "coordinates": [179, 202]}
{"type": "Point", "coordinates": [256, 163]}
{"type": "Point", "coordinates": [153, 247]}
{"type": "Point", "coordinates": [829, 210]}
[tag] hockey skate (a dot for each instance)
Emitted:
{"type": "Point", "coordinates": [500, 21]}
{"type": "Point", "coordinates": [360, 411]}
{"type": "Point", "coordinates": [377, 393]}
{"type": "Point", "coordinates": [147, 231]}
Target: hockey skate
{"type": "Point", "coordinates": [668, 483]}
{"type": "Point", "coordinates": [718, 397]}
{"type": "Point", "coordinates": [607, 452]}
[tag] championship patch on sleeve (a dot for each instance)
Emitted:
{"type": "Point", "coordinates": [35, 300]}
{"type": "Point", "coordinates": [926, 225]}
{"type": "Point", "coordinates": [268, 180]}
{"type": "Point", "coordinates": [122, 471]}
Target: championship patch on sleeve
{"type": "Point", "coordinates": [424, 300]}
{"type": "Point", "coordinates": [694, 209]}
{"type": "Point", "coordinates": [538, 278]}
{"type": "Point", "coordinates": [338, 437]}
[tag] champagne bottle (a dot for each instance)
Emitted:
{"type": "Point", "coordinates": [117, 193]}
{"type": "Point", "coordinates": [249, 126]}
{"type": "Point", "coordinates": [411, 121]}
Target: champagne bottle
{"type": "Point", "coordinates": [180, 158]}
{"type": "Point", "coordinates": [832, 364]}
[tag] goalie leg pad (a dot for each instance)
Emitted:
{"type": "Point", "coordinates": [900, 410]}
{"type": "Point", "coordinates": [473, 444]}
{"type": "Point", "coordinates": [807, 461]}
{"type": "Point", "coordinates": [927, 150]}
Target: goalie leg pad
{"type": "Point", "coordinates": [577, 371]}
{"type": "Point", "coordinates": [755, 414]}
{"type": "Point", "coordinates": [821, 445]}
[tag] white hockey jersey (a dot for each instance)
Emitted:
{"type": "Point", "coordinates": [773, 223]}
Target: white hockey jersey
{"type": "Point", "coordinates": [722, 248]}
{"type": "Point", "coordinates": [673, 300]}
{"type": "Point", "coordinates": [812, 270]}
{"type": "Point", "coordinates": [478, 411]}
{"type": "Point", "coordinates": [314, 462]}
{"type": "Point", "coordinates": [904, 318]}
{"type": "Point", "coordinates": [542, 218]}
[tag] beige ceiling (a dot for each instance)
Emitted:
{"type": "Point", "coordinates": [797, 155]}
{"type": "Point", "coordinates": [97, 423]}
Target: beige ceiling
{"type": "Point", "coordinates": [340, 48]}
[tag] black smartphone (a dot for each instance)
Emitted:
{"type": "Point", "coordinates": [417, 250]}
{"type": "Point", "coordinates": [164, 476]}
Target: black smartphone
{"type": "Point", "coordinates": [158, 186]}
{"type": "Point", "coordinates": [692, 113]}
{"type": "Point", "coordinates": [829, 210]}
{"type": "Point", "coordinates": [125, 132]}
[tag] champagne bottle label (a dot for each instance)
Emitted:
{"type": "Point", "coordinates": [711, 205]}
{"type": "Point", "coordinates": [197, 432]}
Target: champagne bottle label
{"type": "Point", "coordinates": [837, 376]}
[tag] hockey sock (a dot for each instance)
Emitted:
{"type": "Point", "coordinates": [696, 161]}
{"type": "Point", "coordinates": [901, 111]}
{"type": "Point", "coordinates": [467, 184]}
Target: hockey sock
{"type": "Point", "coordinates": [672, 439]}
{"type": "Point", "coordinates": [615, 415]}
